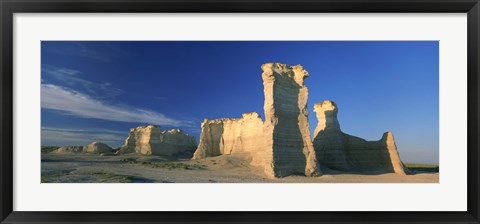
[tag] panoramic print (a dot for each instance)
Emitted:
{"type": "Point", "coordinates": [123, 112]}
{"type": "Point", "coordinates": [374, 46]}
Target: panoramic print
{"type": "Point", "coordinates": [239, 112]}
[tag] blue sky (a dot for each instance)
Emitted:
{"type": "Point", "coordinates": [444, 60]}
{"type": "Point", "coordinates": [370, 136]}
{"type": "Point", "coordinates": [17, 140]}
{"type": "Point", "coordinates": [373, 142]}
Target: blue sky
{"type": "Point", "coordinates": [97, 91]}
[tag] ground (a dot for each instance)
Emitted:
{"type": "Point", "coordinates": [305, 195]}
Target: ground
{"type": "Point", "coordinates": [132, 168]}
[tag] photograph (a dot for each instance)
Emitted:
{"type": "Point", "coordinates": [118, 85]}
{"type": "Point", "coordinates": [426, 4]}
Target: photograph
{"type": "Point", "coordinates": [239, 112]}
{"type": "Point", "coordinates": [205, 111]}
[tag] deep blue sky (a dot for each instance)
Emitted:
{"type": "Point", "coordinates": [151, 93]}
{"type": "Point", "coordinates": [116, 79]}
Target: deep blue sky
{"type": "Point", "coordinates": [99, 90]}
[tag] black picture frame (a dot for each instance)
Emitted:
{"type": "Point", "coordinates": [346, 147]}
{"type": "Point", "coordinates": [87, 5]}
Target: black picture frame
{"type": "Point", "coordinates": [9, 7]}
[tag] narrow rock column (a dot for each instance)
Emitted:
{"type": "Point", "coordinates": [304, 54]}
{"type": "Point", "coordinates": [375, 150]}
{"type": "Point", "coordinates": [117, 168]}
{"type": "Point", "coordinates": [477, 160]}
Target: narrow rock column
{"type": "Point", "coordinates": [210, 139]}
{"type": "Point", "coordinates": [397, 164]}
{"type": "Point", "coordinates": [328, 139]}
{"type": "Point", "coordinates": [326, 112]}
{"type": "Point", "coordinates": [286, 128]}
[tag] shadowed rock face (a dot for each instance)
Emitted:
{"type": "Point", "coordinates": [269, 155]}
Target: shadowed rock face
{"type": "Point", "coordinates": [286, 127]}
{"type": "Point", "coordinates": [230, 136]}
{"type": "Point", "coordinates": [150, 140]}
{"type": "Point", "coordinates": [329, 141]}
{"type": "Point", "coordinates": [339, 151]}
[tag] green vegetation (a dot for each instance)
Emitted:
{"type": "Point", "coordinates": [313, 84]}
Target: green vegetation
{"type": "Point", "coordinates": [50, 178]}
{"type": "Point", "coordinates": [417, 165]}
{"type": "Point", "coordinates": [422, 167]}
{"type": "Point", "coordinates": [98, 177]}
{"type": "Point", "coordinates": [48, 149]}
{"type": "Point", "coordinates": [167, 165]}
{"type": "Point", "coordinates": [130, 160]}
{"type": "Point", "coordinates": [113, 178]}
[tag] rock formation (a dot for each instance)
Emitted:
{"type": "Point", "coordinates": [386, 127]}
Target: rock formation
{"type": "Point", "coordinates": [288, 146]}
{"type": "Point", "coordinates": [228, 135]}
{"type": "Point", "coordinates": [74, 149]}
{"type": "Point", "coordinates": [328, 140]}
{"type": "Point", "coordinates": [97, 147]}
{"type": "Point", "coordinates": [150, 140]}
{"type": "Point", "coordinates": [281, 145]}
{"type": "Point", "coordinates": [339, 151]}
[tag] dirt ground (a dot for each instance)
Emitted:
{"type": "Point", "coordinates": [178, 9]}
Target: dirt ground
{"type": "Point", "coordinates": [89, 168]}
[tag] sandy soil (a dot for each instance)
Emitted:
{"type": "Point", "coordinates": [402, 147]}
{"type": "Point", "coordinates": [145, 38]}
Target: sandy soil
{"type": "Point", "coordinates": [88, 168]}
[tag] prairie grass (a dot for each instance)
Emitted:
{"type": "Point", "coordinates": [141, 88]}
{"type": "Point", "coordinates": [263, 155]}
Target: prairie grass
{"type": "Point", "coordinates": [422, 167]}
{"type": "Point", "coordinates": [166, 165]}
{"type": "Point", "coordinates": [98, 177]}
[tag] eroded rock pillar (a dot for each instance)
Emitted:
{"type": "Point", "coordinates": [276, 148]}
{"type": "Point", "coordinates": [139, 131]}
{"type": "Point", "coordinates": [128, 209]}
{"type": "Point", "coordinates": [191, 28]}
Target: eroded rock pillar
{"type": "Point", "coordinates": [286, 127]}
{"type": "Point", "coordinates": [328, 139]}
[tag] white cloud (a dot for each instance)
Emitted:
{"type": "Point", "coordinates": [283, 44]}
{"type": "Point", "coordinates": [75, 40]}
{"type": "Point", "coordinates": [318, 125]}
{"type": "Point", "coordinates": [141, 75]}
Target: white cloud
{"type": "Point", "coordinates": [71, 137]}
{"type": "Point", "coordinates": [93, 130]}
{"type": "Point", "coordinates": [81, 105]}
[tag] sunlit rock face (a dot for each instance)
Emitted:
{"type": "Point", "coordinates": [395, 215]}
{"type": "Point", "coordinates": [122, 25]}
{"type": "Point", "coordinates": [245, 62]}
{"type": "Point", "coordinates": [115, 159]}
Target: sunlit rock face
{"type": "Point", "coordinates": [94, 147]}
{"type": "Point", "coordinates": [339, 151]}
{"type": "Point", "coordinates": [97, 147]}
{"type": "Point", "coordinates": [230, 136]}
{"type": "Point", "coordinates": [281, 145]}
{"type": "Point", "coordinates": [288, 144]}
{"type": "Point", "coordinates": [150, 140]}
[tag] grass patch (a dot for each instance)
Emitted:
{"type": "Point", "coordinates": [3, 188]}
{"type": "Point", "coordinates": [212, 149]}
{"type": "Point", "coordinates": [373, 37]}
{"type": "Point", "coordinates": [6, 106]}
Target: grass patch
{"type": "Point", "coordinates": [98, 178]}
{"type": "Point", "coordinates": [130, 160]}
{"type": "Point", "coordinates": [50, 178]}
{"type": "Point", "coordinates": [113, 178]}
{"type": "Point", "coordinates": [166, 165]}
{"type": "Point", "coordinates": [417, 165]}
{"type": "Point", "coordinates": [422, 167]}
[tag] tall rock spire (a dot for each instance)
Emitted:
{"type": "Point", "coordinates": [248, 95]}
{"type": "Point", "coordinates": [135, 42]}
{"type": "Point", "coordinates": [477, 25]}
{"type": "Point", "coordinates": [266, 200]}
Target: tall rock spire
{"type": "Point", "coordinates": [328, 139]}
{"type": "Point", "coordinates": [327, 116]}
{"type": "Point", "coordinates": [286, 129]}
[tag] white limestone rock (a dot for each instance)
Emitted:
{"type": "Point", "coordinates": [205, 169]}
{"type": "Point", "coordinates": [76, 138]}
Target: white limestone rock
{"type": "Point", "coordinates": [230, 136]}
{"type": "Point", "coordinates": [329, 140]}
{"type": "Point", "coordinates": [97, 147]}
{"type": "Point", "coordinates": [150, 140]}
{"type": "Point", "coordinates": [69, 149]}
{"type": "Point", "coordinates": [339, 151]}
{"type": "Point", "coordinates": [288, 146]}
{"type": "Point", "coordinates": [281, 145]}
